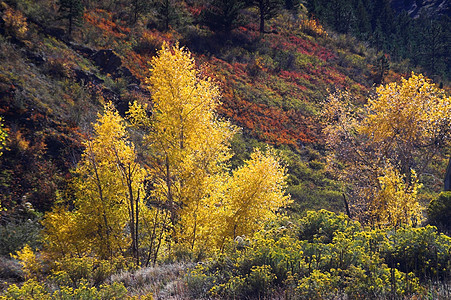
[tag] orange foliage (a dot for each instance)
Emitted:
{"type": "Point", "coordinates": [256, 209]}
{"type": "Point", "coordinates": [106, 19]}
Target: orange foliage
{"type": "Point", "coordinates": [15, 22]}
{"type": "Point", "coordinates": [106, 24]}
{"type": "Point", "coordinates": [271, 124]}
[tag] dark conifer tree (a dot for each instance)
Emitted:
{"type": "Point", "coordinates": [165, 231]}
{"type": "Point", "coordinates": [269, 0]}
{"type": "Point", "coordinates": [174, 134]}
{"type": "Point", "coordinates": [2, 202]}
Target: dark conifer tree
{"type": "Point", "coordinates": [267, 9]}
{"type": "Point", "coordinates": [72, 10]}
{"type": "Point", "coordinates": [169, 13]}
{"type": "Point", "coordinates": [361, 24]}
{"type": "Point", "coordinates": [139, 7]}
{"type": "Point", "coordinates": [223, 15]}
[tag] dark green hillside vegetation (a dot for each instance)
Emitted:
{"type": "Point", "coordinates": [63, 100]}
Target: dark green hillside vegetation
{"type": "Point", "coordinates": [417, 31]}
{"type": "Point", "coordinates": [211, 149]}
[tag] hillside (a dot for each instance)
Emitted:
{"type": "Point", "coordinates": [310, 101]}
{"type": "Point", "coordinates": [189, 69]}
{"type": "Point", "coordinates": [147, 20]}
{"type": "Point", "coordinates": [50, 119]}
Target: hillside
{"type": "Point", "coordinates": [61, 62]}
{"type": "Point", "coordinates": [272, 86]}
{"type": "Point", "coordinates": [417, 8]}
{"type": "Point", "coordinates": [413, 32]}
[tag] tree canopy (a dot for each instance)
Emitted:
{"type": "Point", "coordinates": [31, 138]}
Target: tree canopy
{"type": "Point", "coordinates": [400, 129]}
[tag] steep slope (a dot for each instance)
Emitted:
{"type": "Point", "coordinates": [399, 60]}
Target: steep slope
{"type": "Point", "coordinates": [415, 9]}
{"type": "Point", "coordinates": [51, 88]}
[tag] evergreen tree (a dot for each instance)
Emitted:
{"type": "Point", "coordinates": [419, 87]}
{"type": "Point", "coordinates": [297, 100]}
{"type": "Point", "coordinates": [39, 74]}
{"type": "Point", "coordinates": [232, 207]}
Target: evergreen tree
{"type": "Point", "coordinates": [72, 10]}
{"type": "Point", "coordinates": [139, 7]}
{"type": "Point", "coordinates": [223, 15]}
{"type": "Point", "coordinates": [434, 49]}
{"type": "Point", "coordinates": [169, 13]}
{"type": "Point", "coordinates": [362, 25]}
{"type": "Point", "coordinates": [267, 9]}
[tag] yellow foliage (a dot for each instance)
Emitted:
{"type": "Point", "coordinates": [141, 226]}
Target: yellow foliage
{"type": "Point", "coordinates": [3, 136]}
{"type": "Point", "coordinates": [61, 234]}
{"type": "Point", "coordinates": [188, 151]}
{"type": "Point", "coordinates": [254, 194]}
{"type": "Point", "coordinates": [108, 190]}
{"type": "Point", "coordinates": [15, 22]}
{"type": "Point", "coordinates": [313, 26]}
{"type": "Point", "coordinates": [101, 195]}
{"type": "Point", "coordinates": [30, 264]}
{"type": "Point", "coordinates": [396, 202]}
{"type": "Point", "coordinates": [401, 129]}
{"type": "Point", "coordinates": [413, 112]}
{"type": "Point", "coordinates": [188, 144]}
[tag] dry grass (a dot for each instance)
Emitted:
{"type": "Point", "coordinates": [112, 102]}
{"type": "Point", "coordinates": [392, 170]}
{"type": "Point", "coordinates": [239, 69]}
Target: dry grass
{"type": "Point", "coordinates": [164, 282]}
{"type": "Point", "coordinates": [10, 272]}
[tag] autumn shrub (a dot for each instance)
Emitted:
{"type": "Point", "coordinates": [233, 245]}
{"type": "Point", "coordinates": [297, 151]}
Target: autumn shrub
{"type": "Point", "coordinates": [31, 264]}
{"type": "Point", "coordinates": [439, 211]}
{"type": "Point", "coordinates": [58, 67]}
{"type": "Point", "coordinates": [73, 271]}
{"type": "Point", "coordinates": [15, 22]}
{"type": "Point", "coordinates": [323, 256]}
{"type": "Point", "coordinates": [148, 43]}
{"type": "Point", "coordinates": [15, 234]}
{"type": "Point", "coordinates": [33, 290]}
{"type": "Point", "coordinates": [312, 27]}
{"type": "Point", "coordinates": [254, 68]}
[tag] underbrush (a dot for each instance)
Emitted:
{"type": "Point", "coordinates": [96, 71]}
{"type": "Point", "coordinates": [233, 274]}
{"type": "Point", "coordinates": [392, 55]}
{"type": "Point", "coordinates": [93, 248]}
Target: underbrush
{"type": "Point", "coordinates": [325, 256]}
{"type": "Point", "coordinates": [163, 281]}
{"type": "Point", "coordinates": [321, 255]}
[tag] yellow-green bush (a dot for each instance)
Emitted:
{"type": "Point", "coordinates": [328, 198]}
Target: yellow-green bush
{"type": "Point", "coordinates": [439, 211]}
{"type": "Point", "coordinates": [72, 271]}
{"type": "Point", "coordinates": [32, 290]}
{"type": "Point", "coordinates": [325, 255]}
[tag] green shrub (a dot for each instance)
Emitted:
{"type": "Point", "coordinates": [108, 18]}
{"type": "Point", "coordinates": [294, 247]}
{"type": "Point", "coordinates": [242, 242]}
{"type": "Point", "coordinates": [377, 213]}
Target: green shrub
{"type": "Point", "coordinates": [321, 226]}
{"type": "Point", "coordinates": [15, 234]}
{"type": "Point", "coordinates": [325, 256]}
{"type": "Point", "coordinates": [318, 285]}
{"type": "Point", "coordinates": [73, 271]}
{"type": "Point", "coordinates": [423, 251]}
{"type": "Point", "coordinates": [439, 211]}
{"type": "Point", "coordinates": [32, 290]}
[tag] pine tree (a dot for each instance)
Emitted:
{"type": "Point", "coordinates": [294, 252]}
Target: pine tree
{"type": "Point", "coordinates": [267, 10]}
{"type": "Point", "coordinates": [223, 15]}
{"type": "Point", "coordinates": [72, 10]}
{"type": "Point", "coordinates": [139, 7]}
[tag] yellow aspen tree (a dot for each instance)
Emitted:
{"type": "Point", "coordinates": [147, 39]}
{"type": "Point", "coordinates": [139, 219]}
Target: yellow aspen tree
{"type": "Point", "coordinates": [187, 144]}
{"type": "Point", "coordinates": [187, 149]}
{"type": "Point", "coordinates": [408, 118]}
{"type": "Point", "coordinates": [255, 193]}
{"type": "Point", "coordinates": [404, 127]}
{"type": "Point", "coordinates": [108, 195]}
{"type": "Point", "coordinates": [61, 235]}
